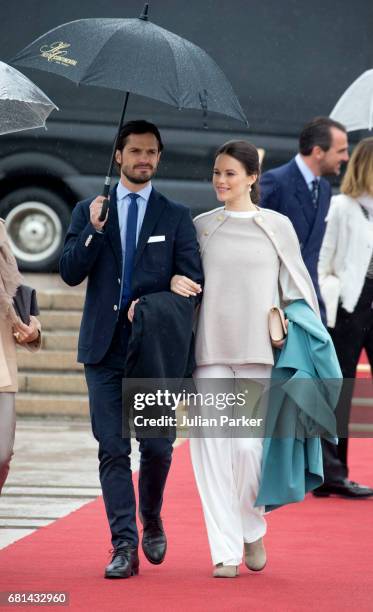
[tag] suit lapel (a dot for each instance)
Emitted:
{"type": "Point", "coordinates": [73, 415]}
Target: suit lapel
{"type": "Point", "coordinates": [154, 209]}
{"type": "Point", "coordinates": [324, 198]}
{"type": "Point", "coordinates": [112, 229]}
{"type": "Point", "coordinates": [303, 195]}
{"type": "Point", "coordinates": [318, 227]}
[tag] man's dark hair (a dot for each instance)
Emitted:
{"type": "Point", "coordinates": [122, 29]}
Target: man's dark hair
{"type": "Point", "coordinates": [139, 126]}
{"type": "Point", "coordinates": [317, 133]}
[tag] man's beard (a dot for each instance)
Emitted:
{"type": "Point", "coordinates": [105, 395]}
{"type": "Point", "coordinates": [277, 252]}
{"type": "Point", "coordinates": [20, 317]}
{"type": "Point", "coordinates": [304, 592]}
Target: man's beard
{"type": "Point", "coordinates": [329, 170]}
{"type": "Point", "coordinates": [136, 180]}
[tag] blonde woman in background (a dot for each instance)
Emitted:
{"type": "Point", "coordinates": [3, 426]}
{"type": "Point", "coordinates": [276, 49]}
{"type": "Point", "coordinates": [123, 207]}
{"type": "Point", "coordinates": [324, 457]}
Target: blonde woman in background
{"type": "Point", "coordinates": [12, 332]}
{"type": "Point", "coordinates": [346, 282]}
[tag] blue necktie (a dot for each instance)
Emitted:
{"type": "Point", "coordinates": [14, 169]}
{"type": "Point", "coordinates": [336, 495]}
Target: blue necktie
{"type": "Point", "coordinates": [315, 191]}
{"type": "Point", "coordinates": [130, 249]}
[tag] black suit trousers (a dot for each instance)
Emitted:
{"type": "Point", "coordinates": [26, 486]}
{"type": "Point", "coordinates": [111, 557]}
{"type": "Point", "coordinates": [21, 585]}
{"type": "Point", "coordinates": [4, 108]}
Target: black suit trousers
{"type": "Point", "coordinates": [352, 333]}
{"type": "Point", "coordinates": [105, 381]}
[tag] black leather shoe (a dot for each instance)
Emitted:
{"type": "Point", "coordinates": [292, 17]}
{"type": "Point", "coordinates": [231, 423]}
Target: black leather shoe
{"type": "Point", "coordinates": [154, 542]}
{"type": "Point", "coordinates": [346, 488]}
{"type": "Point", "coordinates": [125, 562]}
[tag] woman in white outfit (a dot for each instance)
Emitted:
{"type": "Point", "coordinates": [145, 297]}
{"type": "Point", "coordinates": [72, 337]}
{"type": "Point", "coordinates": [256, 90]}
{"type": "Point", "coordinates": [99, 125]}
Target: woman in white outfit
{"type": "Point", "coordinates": [346, 283]}
{"type": "Point", "coordinates": [243, 250]}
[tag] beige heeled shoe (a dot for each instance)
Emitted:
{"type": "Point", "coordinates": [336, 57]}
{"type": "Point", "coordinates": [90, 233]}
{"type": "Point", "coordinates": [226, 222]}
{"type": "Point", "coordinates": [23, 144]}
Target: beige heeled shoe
{"type": "Point", "coordinates": [225, 571]}
{"type": "Point", "coordinates": [255, 555]}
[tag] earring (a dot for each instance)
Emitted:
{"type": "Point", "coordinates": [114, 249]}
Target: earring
{"type": "Point", "coordinates": [250, 187]}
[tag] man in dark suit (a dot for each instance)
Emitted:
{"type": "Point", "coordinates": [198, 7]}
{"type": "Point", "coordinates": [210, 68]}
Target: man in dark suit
{"type": "Point", "coordinates": [144, 240]}
{"type": "Point", "coordinates": [299, 191]}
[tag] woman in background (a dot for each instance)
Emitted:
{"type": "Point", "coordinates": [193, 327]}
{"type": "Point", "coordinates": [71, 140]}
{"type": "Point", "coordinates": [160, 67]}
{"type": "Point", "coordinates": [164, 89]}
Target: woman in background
{"type": "Point", "coordinates": [346, 283]}
{"type": "Point", "coordinates": [12, 332]}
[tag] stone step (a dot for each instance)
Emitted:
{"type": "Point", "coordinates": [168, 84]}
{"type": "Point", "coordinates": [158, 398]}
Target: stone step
{"type": "Point", "coordinates": [45, 507]}
{"type": "Point", "coordinates": [60, 340]}
{"type": "Point", "coordinates": [29, 523]}
{"type": "Point", "coordinates": [47, 360]}
{"type": "Point", "coordinates": [60, 299]}
{"type": "Point", "coordinates": [52, 492]}
{"type": "Point", "coordinates": [54, 320]}
{"type": "Point", "coordinates": [48, 404]}
{"type": "Point", "coordinates": [52, 382]}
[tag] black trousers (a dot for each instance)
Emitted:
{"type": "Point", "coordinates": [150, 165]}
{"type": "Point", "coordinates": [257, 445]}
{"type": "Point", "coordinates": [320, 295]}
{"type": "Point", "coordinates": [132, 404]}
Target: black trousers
{"type": "Point", "coordinates": [105, 382]}
{"type": "Point", "coordinates": [352, 333]}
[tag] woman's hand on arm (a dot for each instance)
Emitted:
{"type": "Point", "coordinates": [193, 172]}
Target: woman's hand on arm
{"type": "Point", "coordinates": [131, 310]}
{"type": "Point", "coordinates": [182, 285]}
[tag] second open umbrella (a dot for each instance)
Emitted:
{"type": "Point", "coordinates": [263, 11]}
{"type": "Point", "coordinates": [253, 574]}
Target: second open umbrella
{"type": "Point", "coordinates": [22, 104]}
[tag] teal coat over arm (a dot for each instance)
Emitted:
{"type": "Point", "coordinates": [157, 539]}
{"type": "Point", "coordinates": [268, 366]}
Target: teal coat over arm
{"type": "Point", "coordinates": [305, 386]}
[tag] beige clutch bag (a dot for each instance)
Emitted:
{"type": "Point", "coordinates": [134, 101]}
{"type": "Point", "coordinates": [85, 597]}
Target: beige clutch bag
{"type": "Point", "coordinates": [276, 324]}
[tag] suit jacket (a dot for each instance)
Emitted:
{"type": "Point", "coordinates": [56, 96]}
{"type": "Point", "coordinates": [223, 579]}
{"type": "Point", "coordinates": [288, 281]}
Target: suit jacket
{"type": "Point", "coordinates": [163, 351]}
{"type": "Point", "coordinates": [159, 358]}
{"type": "Point", "coordinates": [284, 189]}
{"type": "Point", "coordinates": [305, 387]}
{"type": "Point", "coordinates": [98, 257]}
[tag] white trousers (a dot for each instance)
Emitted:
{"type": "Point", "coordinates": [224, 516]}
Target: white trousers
{"type": "Point", "coordinates": [227, 472]}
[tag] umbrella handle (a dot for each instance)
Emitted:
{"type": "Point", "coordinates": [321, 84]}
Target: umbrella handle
{"type": "Point", "coordinates": [106, 189]}
{"type": "Point", "coordinates": [105, 204]}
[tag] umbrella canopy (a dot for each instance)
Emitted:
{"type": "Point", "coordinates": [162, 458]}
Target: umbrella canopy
{"type": "Point", "coordinates": [136, 56]}
{"type": "Point", "coordinates": [355, 107]}
{"type": "Point", "coordinates": [22, 104]}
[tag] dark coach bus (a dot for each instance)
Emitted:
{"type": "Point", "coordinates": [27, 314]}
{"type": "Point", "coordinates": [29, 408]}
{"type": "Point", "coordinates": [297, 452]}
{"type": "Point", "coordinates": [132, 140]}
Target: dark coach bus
{"type": "Point", "coordinates": [288, 61]}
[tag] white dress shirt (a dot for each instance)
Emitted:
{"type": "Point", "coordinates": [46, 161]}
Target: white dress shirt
{"type": "Point", "coordinates": [123, 202]}
{"type": "Point", "coordinates": [307, 174]}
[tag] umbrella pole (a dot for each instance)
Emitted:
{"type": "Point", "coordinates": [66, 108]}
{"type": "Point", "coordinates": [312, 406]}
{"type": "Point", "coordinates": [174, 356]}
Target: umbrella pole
{"type": "Point", "coordinates": [106, 188]}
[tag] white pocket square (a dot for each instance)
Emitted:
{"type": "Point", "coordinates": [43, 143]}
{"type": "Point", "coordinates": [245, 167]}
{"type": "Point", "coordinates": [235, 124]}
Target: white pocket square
{"type": "Point", "coordinates": [157, 238]}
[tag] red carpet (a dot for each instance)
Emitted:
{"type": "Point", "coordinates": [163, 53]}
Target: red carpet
{"type": "Point", "coordinates": [320, 556]}
{"type": "Point", "coordinates": [363, 370]}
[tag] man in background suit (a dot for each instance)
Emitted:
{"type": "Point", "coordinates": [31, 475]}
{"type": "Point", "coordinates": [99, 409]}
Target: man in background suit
{"type": "Point", "coordinates": [144, 240]}
{"type": "Point", "coordinates": [299, 191]}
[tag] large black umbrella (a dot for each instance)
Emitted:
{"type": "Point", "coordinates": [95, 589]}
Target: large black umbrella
{"type": "Point", "coordinates": [135, 56]}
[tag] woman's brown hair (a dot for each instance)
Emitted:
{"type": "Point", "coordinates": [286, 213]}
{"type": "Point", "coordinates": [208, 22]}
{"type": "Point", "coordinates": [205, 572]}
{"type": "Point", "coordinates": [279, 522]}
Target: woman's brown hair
{"type": "Point", "coordinates": [248, 155]}
{"type": "Point", "coordinates": [358, 178]}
